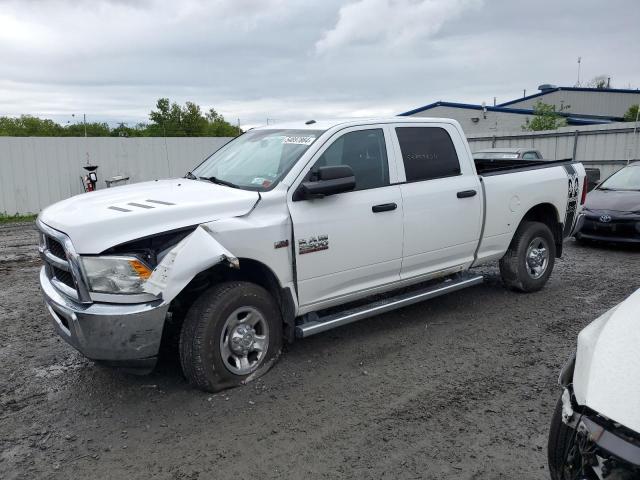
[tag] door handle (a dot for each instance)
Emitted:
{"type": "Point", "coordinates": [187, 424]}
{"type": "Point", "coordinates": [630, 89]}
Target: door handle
{"type": "Point", "coordinates": [385, 207]}
{"type": "Point", "coordinates": [467, 194]}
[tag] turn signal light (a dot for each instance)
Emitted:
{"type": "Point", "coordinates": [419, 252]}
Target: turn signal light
{"type": "Point", "coordinates": [141, 269]}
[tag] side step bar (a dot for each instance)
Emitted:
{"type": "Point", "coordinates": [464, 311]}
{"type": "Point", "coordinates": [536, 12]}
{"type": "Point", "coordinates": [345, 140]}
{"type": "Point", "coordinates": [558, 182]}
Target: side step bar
{"type": "Point", "coordinates": [316, 324]}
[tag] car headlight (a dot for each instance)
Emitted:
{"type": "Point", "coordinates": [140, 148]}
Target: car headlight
{"type": "Point", "coordinates": [116, 274]}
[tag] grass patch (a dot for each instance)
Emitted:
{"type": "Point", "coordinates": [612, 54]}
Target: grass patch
{"type": "Point", "coordinates": [4, 218]}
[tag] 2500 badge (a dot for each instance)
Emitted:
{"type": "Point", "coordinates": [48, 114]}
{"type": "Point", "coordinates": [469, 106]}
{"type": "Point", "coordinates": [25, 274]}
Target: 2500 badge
{"type": "Point", "coordinates": [313, 244]}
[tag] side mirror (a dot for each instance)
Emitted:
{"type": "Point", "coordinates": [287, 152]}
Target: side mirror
{"type": "Point", "coordinates": [327, 181]}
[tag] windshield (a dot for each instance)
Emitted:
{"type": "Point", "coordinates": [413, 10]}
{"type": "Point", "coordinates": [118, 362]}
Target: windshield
{"type": "Point", "coordinates": [626, 179]}
{"type": "Point", "coordinates": [495, 156]}
{"type": "Point", "coordinates": [258, 159]}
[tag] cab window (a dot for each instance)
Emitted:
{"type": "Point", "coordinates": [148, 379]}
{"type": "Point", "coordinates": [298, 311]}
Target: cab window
{"type": "Point", "coordinates": [365, 152]}
{"type": "Point", "coordinates": [427, 153]}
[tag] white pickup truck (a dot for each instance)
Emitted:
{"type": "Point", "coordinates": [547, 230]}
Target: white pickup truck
{"type": "Point", "coordinates": [291, 230]}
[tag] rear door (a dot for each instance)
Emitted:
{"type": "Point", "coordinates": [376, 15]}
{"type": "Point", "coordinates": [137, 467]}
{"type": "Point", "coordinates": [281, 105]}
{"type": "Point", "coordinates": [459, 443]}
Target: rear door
{"type": "Point", "coordinates": [349, 242]}
{"type": "Point", "coordinates": [442, 200]}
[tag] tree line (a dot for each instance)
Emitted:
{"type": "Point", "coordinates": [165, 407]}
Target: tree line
{"type": "Point", "coordinates": [168, 119]}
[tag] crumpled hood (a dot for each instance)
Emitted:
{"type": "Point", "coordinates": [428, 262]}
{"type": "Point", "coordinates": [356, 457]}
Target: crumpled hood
{"type": "Point", "coordinates": [613, 200]}
{"type": "Point", "coordinates": [99, 220]}
{"type": "Point", "coordinates": [607, 372]}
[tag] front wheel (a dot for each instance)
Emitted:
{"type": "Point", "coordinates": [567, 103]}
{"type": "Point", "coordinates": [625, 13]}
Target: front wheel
{"type": "Point", "coordinates": [231, 335]}
{"type": "Point", "coordinates": [529, 261]}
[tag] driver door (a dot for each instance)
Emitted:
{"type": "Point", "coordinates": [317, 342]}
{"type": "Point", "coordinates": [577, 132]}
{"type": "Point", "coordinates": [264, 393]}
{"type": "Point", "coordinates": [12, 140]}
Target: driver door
{"type": "Point", "coordinates": [351, 242]}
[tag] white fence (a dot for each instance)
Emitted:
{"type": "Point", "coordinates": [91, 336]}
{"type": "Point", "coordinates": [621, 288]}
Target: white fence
{"type": "Point", "coordinates": [38, 171]}
{"type": "Point", "coordinates": [607, 147]}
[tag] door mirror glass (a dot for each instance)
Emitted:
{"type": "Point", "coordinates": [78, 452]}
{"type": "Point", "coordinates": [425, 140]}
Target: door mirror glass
{"type": "Point", "coordinates": [327, 180]}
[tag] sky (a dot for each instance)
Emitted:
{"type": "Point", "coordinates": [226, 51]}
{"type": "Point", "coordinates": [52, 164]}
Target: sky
{"type": "Point", "coordinates": [259, 61]}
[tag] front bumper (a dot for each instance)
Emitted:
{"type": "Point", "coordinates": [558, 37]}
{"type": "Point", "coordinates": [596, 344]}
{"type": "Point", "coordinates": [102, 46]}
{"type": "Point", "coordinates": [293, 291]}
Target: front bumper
{"type": "Point", "coordinates": [618, 229]}
{"type": "Point", "coordinates": [610, 443]}
{"type": "Point", "coordinates": [125, 335]}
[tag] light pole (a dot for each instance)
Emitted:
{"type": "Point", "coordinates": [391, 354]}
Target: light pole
{"type": "Point", "coordinates": [84, 122]}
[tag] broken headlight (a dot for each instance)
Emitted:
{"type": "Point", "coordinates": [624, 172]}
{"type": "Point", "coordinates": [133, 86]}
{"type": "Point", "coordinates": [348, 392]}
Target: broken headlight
{"type": "Point", "coordinates": [116, 274]}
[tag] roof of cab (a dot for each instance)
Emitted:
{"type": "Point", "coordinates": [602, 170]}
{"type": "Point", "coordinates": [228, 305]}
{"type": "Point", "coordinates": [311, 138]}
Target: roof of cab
{"type": "Point", "coordinates": [349, 122]}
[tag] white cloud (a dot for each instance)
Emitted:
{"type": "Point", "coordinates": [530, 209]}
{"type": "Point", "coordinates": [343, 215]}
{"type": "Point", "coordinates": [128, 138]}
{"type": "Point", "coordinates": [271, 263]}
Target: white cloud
{"type": "Point", "coordinates": [296, 59]}
{"type": "Point", "coordinates": [390, 23]}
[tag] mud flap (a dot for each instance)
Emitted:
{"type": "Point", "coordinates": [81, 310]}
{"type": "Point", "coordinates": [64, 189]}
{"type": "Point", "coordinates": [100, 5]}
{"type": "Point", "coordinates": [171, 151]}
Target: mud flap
{"type": "Point", "coordinates": [192, 255]}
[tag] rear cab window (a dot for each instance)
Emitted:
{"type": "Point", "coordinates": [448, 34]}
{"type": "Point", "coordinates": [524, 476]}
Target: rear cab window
{"type": "Point", "coordinates": [427, 153]}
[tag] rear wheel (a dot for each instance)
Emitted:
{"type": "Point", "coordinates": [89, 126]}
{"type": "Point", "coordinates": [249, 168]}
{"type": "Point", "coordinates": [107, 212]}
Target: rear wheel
{"type": "Point", "coordinates": [529, 261]}
{"type": "Point", "coordinates": [231, 335]}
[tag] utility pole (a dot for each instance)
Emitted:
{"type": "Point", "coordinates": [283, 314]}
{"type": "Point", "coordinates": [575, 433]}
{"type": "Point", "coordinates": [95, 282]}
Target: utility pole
{"type": "Point", "coordinates": [84, 120]}
{"type": "Point", "coordinates": [579, 61]}
{"type": "Point", "coordinates": [635, 135]}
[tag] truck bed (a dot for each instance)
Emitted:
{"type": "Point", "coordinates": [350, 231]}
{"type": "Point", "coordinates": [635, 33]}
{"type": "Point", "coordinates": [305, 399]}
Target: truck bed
{"type": "Point", "coordinates": [486, 167]}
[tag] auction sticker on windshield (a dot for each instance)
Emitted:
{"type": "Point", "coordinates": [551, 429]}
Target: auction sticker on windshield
{"type": "Point", "coordinates": [298, 140]}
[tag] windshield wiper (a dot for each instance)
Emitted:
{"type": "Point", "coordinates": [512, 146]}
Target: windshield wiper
{"type": "Point", "coordinates": [190, 176]}
{"type": "Point", "coordinates": [607, 189]}
{"type": "Point", "coordinates": [220, 182]}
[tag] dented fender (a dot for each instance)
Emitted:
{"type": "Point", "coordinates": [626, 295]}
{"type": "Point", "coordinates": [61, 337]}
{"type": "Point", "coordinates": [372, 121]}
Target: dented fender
{"type": "Point", "coordinates": [194, 254]}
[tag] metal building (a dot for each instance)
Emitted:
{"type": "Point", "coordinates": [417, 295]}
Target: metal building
{"type": "Point", "coordinates": [602, 102]}
{"type": "Point", "coordinates": [483, 119]}
{"type": "Point", "coordinates": [579, 106]}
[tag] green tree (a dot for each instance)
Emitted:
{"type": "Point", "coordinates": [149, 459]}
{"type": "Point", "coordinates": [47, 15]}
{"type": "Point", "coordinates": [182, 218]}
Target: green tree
{"type": "Point", "coordinates": [632, 114]}
{"type": "Point", "coordinates": [171, 120]}
{"type": "Point", "coordinates": [167, 119]}
{"type": "Point", "coordinates": [217, 126]}
{"type": "Point", "coordinates": [545, 117]}
{"type": "Point", "coordinates": [600, 81]}
{"type": "Point", "coordinates": [29, 126]}
{"type": "Point", "coordinates": [93, 129]}
{"type": "Point", "coordinates": [124, 130]}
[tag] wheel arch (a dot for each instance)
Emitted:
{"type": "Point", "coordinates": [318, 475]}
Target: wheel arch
{"type": "Point", "coordinates": [249, 270]}
{"type": "Point", "coordinates": [546, 213]}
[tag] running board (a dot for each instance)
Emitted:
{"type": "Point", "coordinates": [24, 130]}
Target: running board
{"type": "Point", "coordinates": [316, 324]}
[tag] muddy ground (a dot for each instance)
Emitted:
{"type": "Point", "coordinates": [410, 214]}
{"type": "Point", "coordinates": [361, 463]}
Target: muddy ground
{"type": "Point", "coordinates": [461, 386]}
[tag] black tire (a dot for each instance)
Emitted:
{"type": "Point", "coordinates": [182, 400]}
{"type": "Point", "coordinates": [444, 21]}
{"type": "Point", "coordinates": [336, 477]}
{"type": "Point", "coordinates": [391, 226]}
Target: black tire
{"type": "Point", "coordinates": [201, 354]}
{"type": "Point", "coordinates": [513, 266]}
{"type": "Point", "coordinates": [561, 439]}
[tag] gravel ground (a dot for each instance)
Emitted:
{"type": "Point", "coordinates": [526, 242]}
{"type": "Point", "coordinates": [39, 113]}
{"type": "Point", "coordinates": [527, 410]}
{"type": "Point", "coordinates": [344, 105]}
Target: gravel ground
{"type": "Point", "coordinates": [461, 387]}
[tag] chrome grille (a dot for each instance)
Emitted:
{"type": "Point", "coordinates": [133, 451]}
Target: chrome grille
{"type": "Point", "coordinates": [56, 248]}
{"type": "Point", "coordinates": [64, 277]}
{"type": "Point", "coordinates": [62, 263]}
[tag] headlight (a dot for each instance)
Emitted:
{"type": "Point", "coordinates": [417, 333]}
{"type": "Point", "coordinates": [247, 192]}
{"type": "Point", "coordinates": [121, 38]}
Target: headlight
{"type": "Point", "coordinates": [124, 275]}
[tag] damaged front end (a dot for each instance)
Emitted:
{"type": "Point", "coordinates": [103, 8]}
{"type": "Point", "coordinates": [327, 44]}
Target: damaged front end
{"type": "Point", "coordinates": [595, 431]}
{"type": "Point", "coordinates": [117, 329]}
{"type": "Point", "coordinates": [195, 253]}
{"type": "Point", "coordinates": [600, 448]}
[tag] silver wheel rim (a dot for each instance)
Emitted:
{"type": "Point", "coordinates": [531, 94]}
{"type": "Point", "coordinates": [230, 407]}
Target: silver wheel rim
{"type": "Point", "coordinates": [244, 340]}
{"type": "Point", "coordinates": [537, 258]}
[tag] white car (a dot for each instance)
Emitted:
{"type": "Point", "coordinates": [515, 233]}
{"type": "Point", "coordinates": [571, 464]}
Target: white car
{"type": "Point", "coordinates": [278, 233]}
{"type": "Point", "coordinates": [595, 431]}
